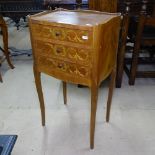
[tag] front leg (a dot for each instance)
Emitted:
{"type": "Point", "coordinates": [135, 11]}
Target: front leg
{"type": "Point", "coordinates": [94, 97]}
{"type": "Point", "coordinates": [37, 77]}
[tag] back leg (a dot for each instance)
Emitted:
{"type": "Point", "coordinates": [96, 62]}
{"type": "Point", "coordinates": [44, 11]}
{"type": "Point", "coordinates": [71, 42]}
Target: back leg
{"type": "Point", "coordinates": [110, 94]}
{"type": "Point", "coordinates": [65, 92]}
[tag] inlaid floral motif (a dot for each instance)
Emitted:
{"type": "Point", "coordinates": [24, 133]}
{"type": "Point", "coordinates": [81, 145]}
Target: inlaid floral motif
{"type": "Point", "coordinates": [55, 50]}
{"type": "Point", "coordinates": [71, 69]}
{"type": "Point", "coordinates": [63, 34]}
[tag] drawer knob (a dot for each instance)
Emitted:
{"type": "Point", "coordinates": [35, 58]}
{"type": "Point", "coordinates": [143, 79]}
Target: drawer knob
{"type": "Point", "coordinates": [60, 65]}
{"type": "Point", "coordinates": [57, 34]}
{"type": "Point", "coordinates": [58, 50]}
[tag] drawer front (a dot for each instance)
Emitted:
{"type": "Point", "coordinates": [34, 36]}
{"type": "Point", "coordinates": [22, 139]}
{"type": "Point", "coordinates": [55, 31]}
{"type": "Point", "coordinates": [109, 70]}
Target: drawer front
{"type": "Point", "coordinates": [63, 34]}
{"type": "Point", "coordinates": [68, 53]}
{"type": "Point", "coordinates": [57, 67]}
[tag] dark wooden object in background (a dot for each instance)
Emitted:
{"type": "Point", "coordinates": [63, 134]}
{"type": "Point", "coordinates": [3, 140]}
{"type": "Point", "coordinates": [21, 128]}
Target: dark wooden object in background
{"type": "Point", "coordinates": [66, 4]}
{"type": "Point", "coordinates": [122, 45]}
{"type": "Point", "coordinates": [132, 10]}
{"type": "Point", "coordinates": [15, 9]}
{"type": "Point", "coordinates": [131, 31]}
{"type": "Point", "coordinates": [135, 6]}
{"type": "Point", "coordinates": [103, 5]}
{"type": "Point", "coordinates": [4, 30]}
{"type": "Point", "coordinates": [119, 5]}
{"type": "Point", "coordinates": [142, 39]}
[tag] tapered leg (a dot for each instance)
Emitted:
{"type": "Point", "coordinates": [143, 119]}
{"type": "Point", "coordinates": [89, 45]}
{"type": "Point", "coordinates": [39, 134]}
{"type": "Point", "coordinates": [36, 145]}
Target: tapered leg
{"type": "Point", "coordinates": [1, 78]}
{"type": "Point", "coordinates": [40, 93]}
{"type": "Point", "coordinates": [94, 97]}
{"type": "Point", "coordinates": [110, 94]}
{"type": "Point", "coordinates": [65, 92]}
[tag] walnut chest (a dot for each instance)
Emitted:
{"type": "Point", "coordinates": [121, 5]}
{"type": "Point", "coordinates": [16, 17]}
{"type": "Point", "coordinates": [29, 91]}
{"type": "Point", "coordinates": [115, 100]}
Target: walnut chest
{"type": "Point", "coordinates": [75, 46]}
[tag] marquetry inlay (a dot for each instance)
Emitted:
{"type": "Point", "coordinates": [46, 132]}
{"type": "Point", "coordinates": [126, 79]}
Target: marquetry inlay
{"type": "Point", "coordinates": [63, 34]}
{"type": "Point", "coordinates": [62, 66]}
{"type": "Point", "coordinates": [73, 54]}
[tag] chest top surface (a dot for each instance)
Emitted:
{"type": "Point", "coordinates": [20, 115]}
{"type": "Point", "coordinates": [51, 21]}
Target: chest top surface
{"type": "Point", "coordinates": [81, 18]}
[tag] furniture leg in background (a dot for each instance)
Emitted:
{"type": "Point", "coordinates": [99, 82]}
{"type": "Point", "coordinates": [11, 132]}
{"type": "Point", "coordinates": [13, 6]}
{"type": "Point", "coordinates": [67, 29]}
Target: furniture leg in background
{"type": "Point", "coordinates": [122, 46]}
{"type": "Point", "coordinates": [5, 43]}
{"type": "Point", "coordinates": [144, 42]}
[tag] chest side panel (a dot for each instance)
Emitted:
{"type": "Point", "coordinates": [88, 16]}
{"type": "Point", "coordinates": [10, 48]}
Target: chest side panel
{"type": "Point", "coordinates": [109, 35]}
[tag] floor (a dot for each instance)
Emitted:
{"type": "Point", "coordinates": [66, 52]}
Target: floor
{"type": "Point", "coordinates": [131, 130]}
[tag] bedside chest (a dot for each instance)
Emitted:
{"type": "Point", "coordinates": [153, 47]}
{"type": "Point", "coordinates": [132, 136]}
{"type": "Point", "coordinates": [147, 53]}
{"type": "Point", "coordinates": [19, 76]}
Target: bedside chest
{"type": "Point", "coordinates": [78, 47]}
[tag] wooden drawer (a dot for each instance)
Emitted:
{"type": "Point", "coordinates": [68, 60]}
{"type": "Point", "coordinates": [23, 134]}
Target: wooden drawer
{"type": "Point", "coordinates": [57, 67]}
{"type": "Point", "coordinates": [63, 52]}
{"type": "Point", "coordinates": [62, 34]}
